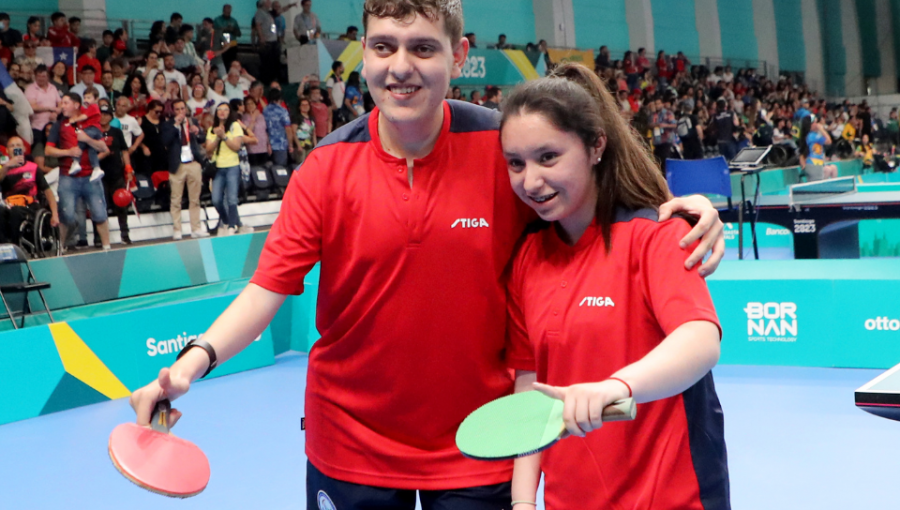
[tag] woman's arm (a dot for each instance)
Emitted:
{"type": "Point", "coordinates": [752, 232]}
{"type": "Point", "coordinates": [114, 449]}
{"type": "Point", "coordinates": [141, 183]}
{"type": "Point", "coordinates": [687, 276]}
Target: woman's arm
{"type": "Point", "coordinates": [676, 364]}
{"type": "Point", "coordinates": [526, 470]}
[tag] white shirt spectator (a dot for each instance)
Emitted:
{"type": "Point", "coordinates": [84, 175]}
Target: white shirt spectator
{"type": "Point", "coordinates": [728, 77]}
{"type": "Point", "coordinates": [338, 88]}
{"type": "Point", "coordinates": [81, 87]}
{"type": "Point", "coordinates": [131, 128]}
{"type": "Point", "coordinates": [238, 91]}
{"type": "Point", "coordinates": [216, 98]}
{"type": "Point", "coordinates": [173, 75]}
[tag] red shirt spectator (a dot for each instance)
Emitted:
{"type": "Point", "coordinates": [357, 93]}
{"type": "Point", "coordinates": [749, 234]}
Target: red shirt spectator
{"type": "Point", "coordinates": [320, 113]}
{"type": "Point", "coordinates": [662, 68]}
{"type": "Point", "coordinates": [61, 37]}
{"type": "Point", "coordinates": [87, 60]}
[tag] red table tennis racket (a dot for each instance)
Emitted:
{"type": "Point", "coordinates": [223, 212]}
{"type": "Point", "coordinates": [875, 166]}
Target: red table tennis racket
{"type": "Point", "coordinates": [156, 460]}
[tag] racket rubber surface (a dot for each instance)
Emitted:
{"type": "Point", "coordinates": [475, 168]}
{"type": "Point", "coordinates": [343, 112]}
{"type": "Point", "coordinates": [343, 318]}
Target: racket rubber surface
{"type": "Point", "coordinates": [521, 424]}
{"type": "Point", "coordinates": [157, 461]}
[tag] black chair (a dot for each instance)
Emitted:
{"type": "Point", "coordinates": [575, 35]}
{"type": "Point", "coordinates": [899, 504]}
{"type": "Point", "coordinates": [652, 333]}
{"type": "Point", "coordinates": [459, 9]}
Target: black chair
{"type": "Point", "coordinates": [14, 282]}
{"type": "Point", "coordinates": [262, 182]}
{"type": "Point", "coordinates": [282, 177]}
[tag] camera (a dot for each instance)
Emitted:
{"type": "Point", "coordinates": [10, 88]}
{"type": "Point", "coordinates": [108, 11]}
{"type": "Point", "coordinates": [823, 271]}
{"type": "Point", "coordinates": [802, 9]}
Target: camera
{"type": "Point", "coordinates": [18, 151]}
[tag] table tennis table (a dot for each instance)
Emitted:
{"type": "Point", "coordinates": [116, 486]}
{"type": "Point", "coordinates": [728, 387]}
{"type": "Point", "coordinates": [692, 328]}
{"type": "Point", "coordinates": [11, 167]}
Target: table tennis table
{"type": "Point", "coordinates": [808, 208]}
{"type": "Point", "coordinates": [881, 396]}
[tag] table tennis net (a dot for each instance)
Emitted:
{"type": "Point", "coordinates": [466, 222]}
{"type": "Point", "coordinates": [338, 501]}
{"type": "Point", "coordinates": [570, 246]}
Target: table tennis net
{"type": "Point", "coordinates": [814, 191]}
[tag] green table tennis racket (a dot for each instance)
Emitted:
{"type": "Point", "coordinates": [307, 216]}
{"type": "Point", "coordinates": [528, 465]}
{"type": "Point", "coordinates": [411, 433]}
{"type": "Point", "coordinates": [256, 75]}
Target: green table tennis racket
{"type": "Point", "coordinates": [521, 424]}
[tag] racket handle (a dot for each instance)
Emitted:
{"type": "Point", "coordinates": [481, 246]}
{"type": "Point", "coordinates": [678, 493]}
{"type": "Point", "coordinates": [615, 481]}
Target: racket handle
{"type": "Point", "coordinates": [621, 410]}
{"type": "Point", "coordinates": [159, 420]}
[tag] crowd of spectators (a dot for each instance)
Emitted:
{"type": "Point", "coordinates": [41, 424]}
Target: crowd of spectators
{"type": "Point", "coordinates": [188, 89]}
{"type": "Point", "coordinates": [186, 110]}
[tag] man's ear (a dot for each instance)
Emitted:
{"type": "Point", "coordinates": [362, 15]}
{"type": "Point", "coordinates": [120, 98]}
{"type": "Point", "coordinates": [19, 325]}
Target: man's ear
{"type": "Point", "coordinates": [460, 52]}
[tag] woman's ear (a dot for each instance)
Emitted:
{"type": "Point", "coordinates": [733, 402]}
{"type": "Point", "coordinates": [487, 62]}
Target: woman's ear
{"type": "Point", "coordinates": [598, 149]}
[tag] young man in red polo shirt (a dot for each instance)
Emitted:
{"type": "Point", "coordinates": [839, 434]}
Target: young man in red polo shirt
{"type": "Point", "coordinates": [410, 211]}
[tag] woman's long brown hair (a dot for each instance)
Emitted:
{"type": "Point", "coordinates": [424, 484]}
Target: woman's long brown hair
{"type": "Point", "coordinates": [574, 100]}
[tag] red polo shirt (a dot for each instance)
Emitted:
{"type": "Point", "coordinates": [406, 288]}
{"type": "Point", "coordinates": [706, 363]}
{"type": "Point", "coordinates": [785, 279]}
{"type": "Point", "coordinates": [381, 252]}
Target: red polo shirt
{"type": "Point", "coordinates": [411, 305]}
{"type": "Point", "coordinates": [578, 314]}
{"type": "Point", "coordinates": [64, 136]}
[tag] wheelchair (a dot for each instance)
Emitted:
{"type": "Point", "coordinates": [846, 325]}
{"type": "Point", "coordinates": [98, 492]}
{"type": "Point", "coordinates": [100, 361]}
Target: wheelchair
{"type": "Point", "coordinates": [37, 237]}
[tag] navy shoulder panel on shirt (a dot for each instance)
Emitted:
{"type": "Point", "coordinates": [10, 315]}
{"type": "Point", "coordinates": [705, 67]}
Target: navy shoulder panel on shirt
{"type": "Point", "coordinates": [625, 215]}
{"type": "Point", "coordinates": [356, 131]}
{"type": "Point", "coordinates": [468, 118]}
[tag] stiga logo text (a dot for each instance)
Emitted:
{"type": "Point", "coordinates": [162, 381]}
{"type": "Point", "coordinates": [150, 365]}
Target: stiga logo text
{"type": "Point", "coordinates": [470, 223]}
{"type": "Point", "coordinates": [771, 322]}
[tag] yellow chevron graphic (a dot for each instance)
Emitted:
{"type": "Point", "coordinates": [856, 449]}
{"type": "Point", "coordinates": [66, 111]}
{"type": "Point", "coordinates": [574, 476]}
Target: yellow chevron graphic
{"type": "Point", "coordinates": [518, 59]}
{"type": "Point", "coordinates": [80, 362]}
{"type": "Point", "coordinates": [351, 57]}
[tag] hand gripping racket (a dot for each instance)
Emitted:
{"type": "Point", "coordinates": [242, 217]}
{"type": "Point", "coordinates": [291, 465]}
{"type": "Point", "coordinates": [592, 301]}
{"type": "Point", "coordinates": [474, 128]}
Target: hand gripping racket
{"type": "Point", "coordinates": [156, 460]}
{"type": "Point", "coordinates": [521, 424]}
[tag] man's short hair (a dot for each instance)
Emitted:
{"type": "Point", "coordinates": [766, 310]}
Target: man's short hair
{"type": "Point", "coordinates": [4, 16]}
{"type": "Point", "coordinates": [175, 104]}
{"type": "Point", "coordinates": [164, 55]}
{"type": "Point", "coordinates": [187, 27]}
{"type": "Point", "coordinates": [450, 10]}
{"type": "Point", "coordinates": [352, 28]}
{"type": "Point", "coordinates": [74, 19]}
{"type": "Point", "coordinates": [335, 65]}
{"type": "Point", "coordinates": [55, 16]}
{"type": "Point", "coordinates": [75, 98]}
{"type": "Point", "coordinates": [87, 67]}
{"type": "Point", "coordinates": [92, 91]}
{"type": "Point", "coordinates": [175, 16]}
{"type": "Point", "coordinates": [273, 96]}
{"type": "Point", "coordinates": [208, 20]}
{"type": "Point", "coordinates": [41, 69]}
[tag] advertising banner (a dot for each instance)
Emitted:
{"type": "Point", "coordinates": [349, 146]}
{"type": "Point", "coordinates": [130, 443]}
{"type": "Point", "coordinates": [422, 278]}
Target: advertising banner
{"type": "Point", "coordinates": [560, 55]}
{"type": "Point", "coordinates": [499, 67]}
{"type": "Point", "coordinates": [44, 369]}
{"type": "Point", "coordinates": [817, 313]}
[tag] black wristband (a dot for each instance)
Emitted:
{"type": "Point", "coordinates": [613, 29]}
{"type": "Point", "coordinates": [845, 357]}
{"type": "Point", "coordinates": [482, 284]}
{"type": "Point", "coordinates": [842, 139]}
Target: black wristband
{"type": "Point", "coordinates": [203, 344]}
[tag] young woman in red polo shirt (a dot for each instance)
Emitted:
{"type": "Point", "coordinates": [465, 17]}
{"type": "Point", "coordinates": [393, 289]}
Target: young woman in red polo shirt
{"type": "Point", "coordinates": [601, 308]}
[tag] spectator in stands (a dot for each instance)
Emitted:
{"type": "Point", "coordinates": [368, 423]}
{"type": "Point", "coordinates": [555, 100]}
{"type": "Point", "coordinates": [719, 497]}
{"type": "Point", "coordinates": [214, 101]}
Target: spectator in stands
{"type": "Point", "coordinates": [44, 100]}
{"type": "Point", "coordinates": [726, 122]}
{"type": "Point", "coordinates": [632, 70]}
{"type": "Point", "coordinates": [22, 184]}
{"type": "Point", "coordinates": [116, 164]}
{"type": "Point", "coordinates": [87, 56]}
{"type": "Point", "coordinates": [493, 96]}
{"type": "Point", "coordinates": [475, 97]}
{"type": "Point", "coordinates": [353, 97]}
{"type": "Point", "coordinates": [10, 36]}
{"type": "Point", "coordinates": [813, 139]}
{"type": "Point", "coordinates": [183, 62]}
{"type": "Point", "coordinates": [234, 87]}
{"type": "Point", "coordinates": [663, 124]}
{"type": "Point", "coordinates": [106, 81]}
{"type": "Point", "coordinates": [501, 43]}
{"type": "Point", "coordinates": [307, 27]}
{"type": "Point", "coordinates": [277, 13]}
{"type": "Point", "coordinates": [58, 33]}
{"type": "Point", "coordinates": [255, 123]}
{"type": "Point", "coordinates": [304, 128]}
{"type": "Point", "coordinates": [104, 51]}
{"type": "Point", "coordinates": [30, 57]}
{"type": "Point", "coordinates": [130, 126]}
{"type": "Point", "coordinates": [223, 141]}
{"type": "Point", "coordinates": [75, 26]}
{"type": "Point", "coordinates": [602, 62]}
{"type": "Point", "coordinates": [893, 126]}
{"type": "Point", "coordinates": [231, 31]}
{"type": "Point", "coordinates": [6, 55]}
{"type": "Point", "coordinates": [152, 65]}
{"type": "Point", "coordinates": [336, 89]}
{"type": "Point", "coordinates": [471, 38]}
{"type": "Point", "coordinates": [278, 128]}
{"type": "Point", "coordinates": [63, 143]}
{"type": "Point", "coordinates": [45, 163]}
{"type": "Point", "coordinates": [350, 35]}
{"type": "Point", "coordinates": [246, 78]}
{"type": "Point", "coordinates": [137, 93]}
{"type": "Point", "coordinates": [87, 81]}
{"type": "Point", "coordinates": [321, 113]}
{"type": "Point", "coordinates": [690, 132]}
{"type": "Point", "coordinates": [186, 34]}
{"type": "Point", "coordinates": [643, 63]}
{"type": "Point", "coordinates": [173, 94]}
{"type": "Point", "coordinates": [184, 151]}
{"type": "Point", "coordinates": [155, 153]}
{"type": "Point", "coordinates": [33, 30]}
{"type": "Point", "coordinates": [170, 72]}
{"type": "Point", "coordinates": [173, 32]}
{"type": "Point", "coordinates": [198, 103]}
{"type": "Point", "coordinates": [117, 67]}
{"type": "Point", "coordinates": [264, 34]}
{"type": "Point", "coordinates": [59, 77]}
{"type": "Point", "coordinates": [159, 90]}
{"type": "Point", "coordinates": [204, 35]}
{"type": "Point", "coordinates": [217, 93]}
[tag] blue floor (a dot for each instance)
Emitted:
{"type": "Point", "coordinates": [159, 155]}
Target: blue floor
{"type": "Point", "coordinates": [795, 441]}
